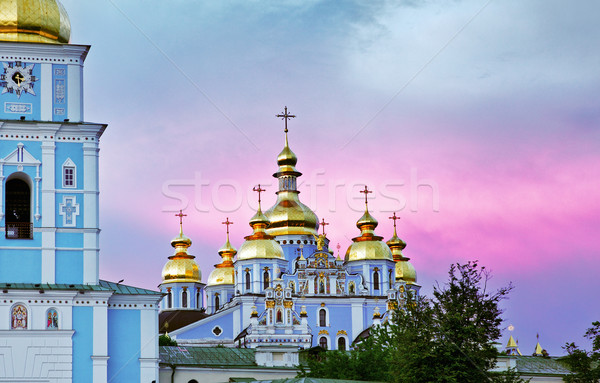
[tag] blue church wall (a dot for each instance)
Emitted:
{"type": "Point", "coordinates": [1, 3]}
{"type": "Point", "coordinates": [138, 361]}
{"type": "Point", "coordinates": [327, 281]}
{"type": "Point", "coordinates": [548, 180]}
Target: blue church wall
{"type": "Point", "coordinates": [69, 240]}
{"type": "Point", "coordinates": [69, 266]}
{"type": "Point", "coordinates": [74, 151]}
{"type": "Point", "coordinates": [205, 330]}
{"type": "Point", "coordinates": [26, 105]}
{"type": "Point", "coordinates": [59, 92]}
{"type": "Point", "coordinates": [83, 339]}
{"type": "Point", "coordinates": [29, 261]}
{"type": "Point", "coordinates": [124, 344]}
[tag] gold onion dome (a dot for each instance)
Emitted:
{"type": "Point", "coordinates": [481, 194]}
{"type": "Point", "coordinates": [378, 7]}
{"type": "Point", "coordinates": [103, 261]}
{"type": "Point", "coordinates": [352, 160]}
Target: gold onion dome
{"type": "Point", "coordinates": [368, 246]}
{"type": "Point", "coordinates": [181, 266]}
{"type": "Point", "coordinates": [223, 274]}
{"type": "Point", "coordinates": [34, 21]}
{"type": "Point", "coordinates": [289, 215]}
{"type": "Point", "coordinates": [260, 245]}
{"type": "Point", "coordinates": [405, 271]}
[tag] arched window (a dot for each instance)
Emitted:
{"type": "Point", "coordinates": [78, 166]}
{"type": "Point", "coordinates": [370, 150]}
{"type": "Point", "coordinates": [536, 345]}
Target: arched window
{"type": "Point", "coordinates": [376, 280]}
{"type": "Point", "coordinates": [19, 317]}
{"type": "Point", "coordinates": [341, 344]}
{"type": "Point", "coordinates": [217, 301]}
{"type": "Point", "coordinates": [193, 381]}
{"type": "Point", "coordinates": [197, 299]}
{"type": "Point", "coordinates": [184, 299]}
{"type": "Point", "coordinates": [322, 318]}
{"type": "Point", "coordinates": [52, 319]}
{"type": "Point", "coordinates": [279, 316]}
{"type": "Point", "coordinates": [391, 278]}
{"type": "Point", "coordinates": [169, 299]}
{"type": "Point", "coordinates": [351, 288]}
{"type": "Point", "coordinates": [247, 280]}
{"type": "Point", "coordinates": [266, 279]}
{"type": "Point", "coordinates": [323, 342]}
{"type": "Point", "coordinates": [292, 286]}
{"type": "Point", "coordinates": [18, 209]}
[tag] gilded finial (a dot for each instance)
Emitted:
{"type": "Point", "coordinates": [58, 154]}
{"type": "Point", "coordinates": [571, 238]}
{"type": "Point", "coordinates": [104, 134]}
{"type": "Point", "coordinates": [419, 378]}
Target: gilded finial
{"type": "Point", "coordinates": [366, 191]}
{"type": "Point", "coordinates": [227, 223]}
{"type": "Point", "coordinates": [180, 215]}
{"type": "Point", "coordinates": [394, 218]}
{"type": "Point", "coordinates": [323, 224]}
{"type": "Point", "coordinates": [285, 116]}
{"type": "Point", "coordinates": [258, 190]}
{"type": "Point", "coordinates": [338, 250]}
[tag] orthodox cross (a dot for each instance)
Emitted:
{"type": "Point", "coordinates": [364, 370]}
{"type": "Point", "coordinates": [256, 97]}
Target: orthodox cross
{"type": "Point", "coordinates": [366, 192]}
{"type": "Point", "coordinates": [323, 224]}
{"type": "Point", "coordinates": [259, 190]}
{"type": "Point", "coordinates": [181, 215]}
{"type": "Point", "coordinates": [285, 116]}
{"type": "Point", "coordinates": [394, 218]}
{"type": "Point", "coordinates": [227, 222]}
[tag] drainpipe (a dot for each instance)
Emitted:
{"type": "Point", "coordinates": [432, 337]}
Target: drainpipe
{"type": "Point", "coordinates": [172, 373]}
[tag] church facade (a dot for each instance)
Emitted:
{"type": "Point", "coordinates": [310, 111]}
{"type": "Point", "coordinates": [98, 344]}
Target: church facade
{"type": "Point", "coordinates": [285, 286]}
{"type": "Point", "coordinates": [58, 321]}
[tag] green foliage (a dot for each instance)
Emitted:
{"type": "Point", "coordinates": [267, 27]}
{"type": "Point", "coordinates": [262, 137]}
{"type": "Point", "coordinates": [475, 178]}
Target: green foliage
{"type": "Point", "coordinates": [448, 338]}
{"type": "Point", "coordinates": [585, 365]}
{"type": "Point", "coordinates": [366, 362]}
{"type": "Point", "coordinates": [166, 340]}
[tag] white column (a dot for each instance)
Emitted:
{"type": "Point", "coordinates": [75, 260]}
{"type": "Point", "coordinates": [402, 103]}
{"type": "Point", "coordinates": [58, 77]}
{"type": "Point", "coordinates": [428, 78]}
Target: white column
{"type": "Point", "coordinates": [46, 97]}
{"type": "Point", "coordinates": [75, 92]}
{"type": "Point", "coordinates": [256, 276]}
{"type": "Point", "coordinates": [90, 212]}
{"type": "Point", "coordinates": [48, 212]}
{"type": "Point", "coordinates": [332, 285]}
{"type": "Point", "coordinates": [357, 319]}
{"type": "Point", "coordinates": [367, 276]}
{"type": "Point", "coordinates": [148, 345]}
{"type": "Point", "coordinates": [100, 346]}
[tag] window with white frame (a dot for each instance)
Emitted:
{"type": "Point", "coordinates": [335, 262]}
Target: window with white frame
{"type": "Point", "coordinates": [69, 174]}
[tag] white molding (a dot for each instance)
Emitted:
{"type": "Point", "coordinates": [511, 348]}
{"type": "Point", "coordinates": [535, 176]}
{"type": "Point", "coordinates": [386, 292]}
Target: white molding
{"type": "Point", "coordinates": [46, 92]}
{"type": "Point", "coordinates": [69, 164]}
{"type": "Point", "coordinates": [74, 214]}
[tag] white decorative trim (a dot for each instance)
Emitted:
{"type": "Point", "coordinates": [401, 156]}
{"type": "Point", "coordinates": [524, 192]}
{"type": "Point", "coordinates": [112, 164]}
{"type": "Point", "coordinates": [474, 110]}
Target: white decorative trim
{"type": "Point", "coordinates": [69, 164]}
{"type": "Point", "coordinates": [20, 158]}
{"type": "Point", "coordinates": [318, 324]}
{"type": "Point", "coordinates": [69, 209]}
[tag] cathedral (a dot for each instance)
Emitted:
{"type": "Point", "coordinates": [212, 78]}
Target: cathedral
{"type": "Point", "coordinates": [59, 322]}
{"type": "Point", "coordinates": [286, 286]}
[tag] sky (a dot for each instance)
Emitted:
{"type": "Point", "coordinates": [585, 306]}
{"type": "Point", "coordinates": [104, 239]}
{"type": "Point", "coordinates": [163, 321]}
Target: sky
{"type": "Point", "coordinates": [477, 122]}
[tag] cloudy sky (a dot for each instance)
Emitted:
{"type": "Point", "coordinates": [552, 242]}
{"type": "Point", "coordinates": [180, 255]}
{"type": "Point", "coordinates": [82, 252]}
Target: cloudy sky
{"type": "Point", "coordinates": [476, 121]}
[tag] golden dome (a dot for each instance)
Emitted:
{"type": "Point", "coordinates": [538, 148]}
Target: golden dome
{"type": "Point", "coordinates": [35, 21]}
{"type": "Point", "coordinates": [181, 266]}
{"type": "Point", "coordinates": [405, 271]}
{"type": "Point", "coordinates": [368, 246]}
{"type": "Point", "coordinates": [289, 215]}
{"type": "Point", "coordinates": [223, 274]}
{"type": "Point", "coordinates": [260, 244]}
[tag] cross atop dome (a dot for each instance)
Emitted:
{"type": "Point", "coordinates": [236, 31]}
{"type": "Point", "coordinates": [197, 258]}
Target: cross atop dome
{"type": "Point", "coordinates": [366, 191]}
{"type": "Point", "coordinates": [285, 116]}
{"type": "Point", "coordinates": [394, 218]}
{"type": "Point", "coordinates": [323, 224]}
{"type": "Point", "coordinates": [227, 222]}
{"type": "Point", "coordinates": [181, 215]}
{"type": "Point", "coordinates": [258, 190]}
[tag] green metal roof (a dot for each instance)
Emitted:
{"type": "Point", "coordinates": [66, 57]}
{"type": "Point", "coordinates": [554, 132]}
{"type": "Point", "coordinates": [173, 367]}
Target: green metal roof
{"type": "Point", "coordinates": [537, 365]}
{"type": "Point", "coordinates": [102, 286]}
{"type": "Point", "coordinates": [207, 356]}
{"type": "Point", "coordinates": [48, 286]}
{"type": "Point", "coordinates": [127, 290]}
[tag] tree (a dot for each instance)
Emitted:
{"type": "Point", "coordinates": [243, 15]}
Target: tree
{"type": "Point", "coordinates": [584, 365]}
{"type": "Point", "coordinates": [166, 340]}
{"type": "Point", "coordinates": [447, 338]}
{"type": "Point", "coordinates": [367, 361]}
